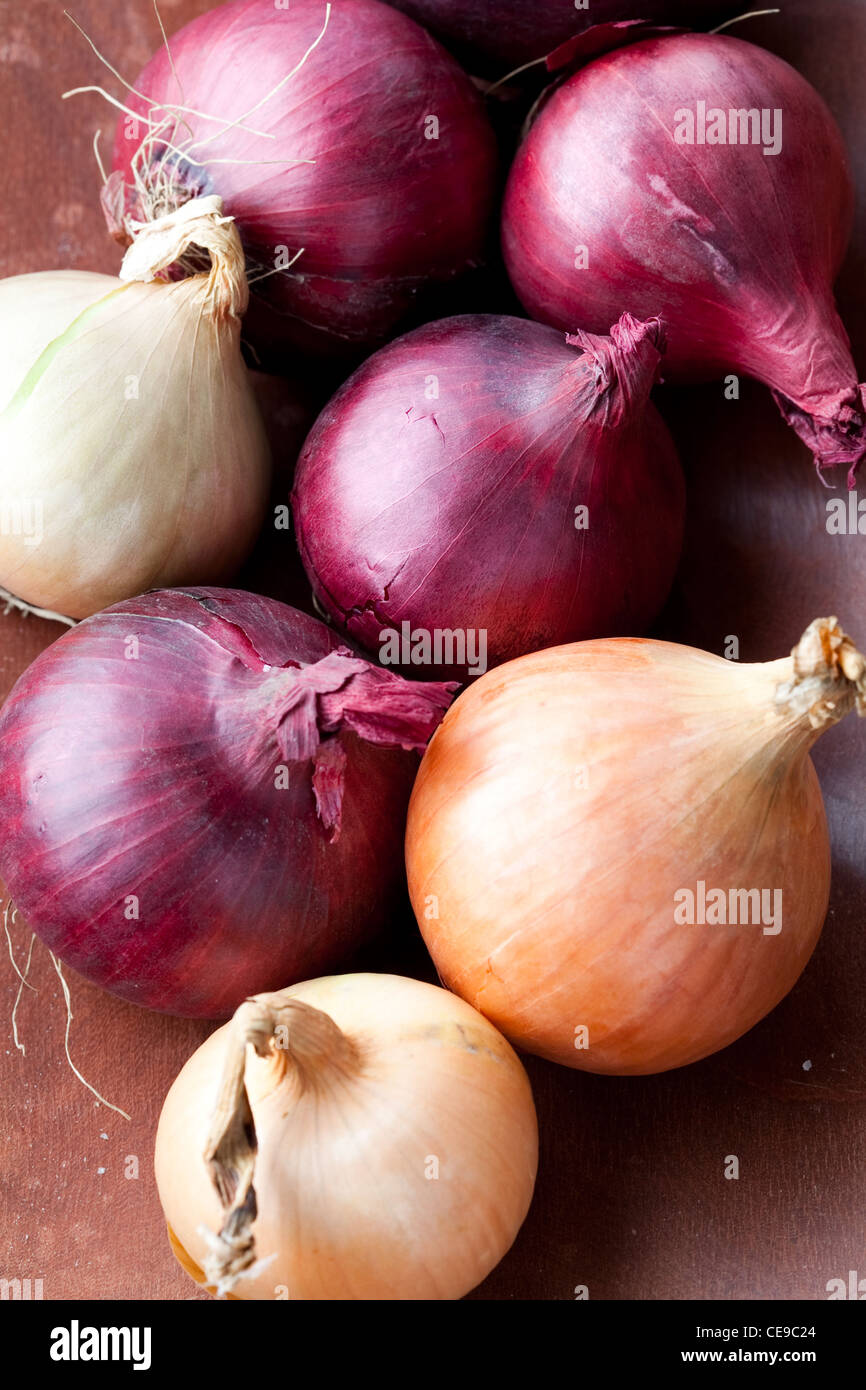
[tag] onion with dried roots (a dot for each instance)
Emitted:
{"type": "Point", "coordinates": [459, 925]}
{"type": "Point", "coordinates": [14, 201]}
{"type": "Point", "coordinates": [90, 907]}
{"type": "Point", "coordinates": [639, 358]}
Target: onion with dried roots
{"type": "Point", "coordinates": [354, 153]}
{"type": "Point", "coordinates": [133, 452]}
{"type": "Point", "coordinates": [618, 851]}
{"type": "Point", "coordinates": [355, 1137]}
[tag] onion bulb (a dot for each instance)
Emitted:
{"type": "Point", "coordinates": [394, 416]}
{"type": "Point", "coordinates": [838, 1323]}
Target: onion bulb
{"type": "Point", "coordinates": [373, 1137]}
{"type": "Point", "coordinates": [495, 480]}
{"type": "Point", "coordinates": [133, 453]}
{"type": "Point", "coordinates": [203, 794]}
{"type": "Point", "coordinates": [617, 850]}
{"type": "Point", "coordinates": [353, 152]}
{"type": "Point", "coordinates": [701, 179]}
{"type": "Point", "coordinates": [512, 31]}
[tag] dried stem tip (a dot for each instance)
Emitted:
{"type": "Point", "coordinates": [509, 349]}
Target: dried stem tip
{"type": "Point", "coordinates": [274, 1025]}
{"type": "Point", "coordinates": [199, 223]}
{"type": "Point", "coordinates": [829, 677]}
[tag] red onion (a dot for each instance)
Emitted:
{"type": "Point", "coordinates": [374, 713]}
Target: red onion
{"type": "Point", "coordinates": [512, 31]}
{"type": "Point", "coordinates": [203, 794]}
{"type": "Point", "coordinates": [736, 249]}
{"type": "Point", "coordinates": [482, 477]}
{"type": "Point", "coordinates": [373, 136]}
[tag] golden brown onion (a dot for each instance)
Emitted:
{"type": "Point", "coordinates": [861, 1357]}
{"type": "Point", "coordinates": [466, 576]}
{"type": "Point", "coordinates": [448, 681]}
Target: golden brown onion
{"type": "Point", "coordinates": [617, 850]}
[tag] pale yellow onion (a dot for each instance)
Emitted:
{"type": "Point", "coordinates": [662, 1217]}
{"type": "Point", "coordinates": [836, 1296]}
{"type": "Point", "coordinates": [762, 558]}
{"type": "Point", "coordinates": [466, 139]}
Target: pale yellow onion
{"type": "Point", "coordinates": [397, 1145]}
{"type": "Point", "coordinates": [132, 453]}
{"type": "Point", "coordinates": [572, 799]}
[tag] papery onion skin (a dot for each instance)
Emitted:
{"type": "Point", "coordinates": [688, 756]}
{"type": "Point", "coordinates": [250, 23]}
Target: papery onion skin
{"type": "Point", "coordinates": [373, 208]}
{"type": "Point", "coordinates": [133, 451]}
{"type": "Point", "coordinates": [567, 799]}
{"type": "Point", "coordinates": [345, 1197]}
{"type": "Point", "coordinates": [68, 294]}
{"type": "Point", "coordinates": [175, 825]}
{"type": "Point", "coordinates": [736, 250]}
{"type": "Point", "coordinates": [452, 507]}
{"type": "Point", "coordinates": [514, 31]}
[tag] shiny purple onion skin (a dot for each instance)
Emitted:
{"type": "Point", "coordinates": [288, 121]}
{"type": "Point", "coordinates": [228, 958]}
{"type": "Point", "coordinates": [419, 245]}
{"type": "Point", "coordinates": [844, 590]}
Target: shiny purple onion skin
{"type": "Point", "coordinates": [153, 777]}
{"type": "Point", "coordinates": [379, 209]}
{"type": "Point", "coordinates": [519, 31]}
{"type": "Point", "coordinates": [458, 512]}
{"type": "Point", "coordinates": [736, 250]}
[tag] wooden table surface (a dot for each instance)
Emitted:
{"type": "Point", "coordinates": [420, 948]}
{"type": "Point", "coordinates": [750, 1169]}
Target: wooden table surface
{"type": "Point", "coordinates": [632, 1200]}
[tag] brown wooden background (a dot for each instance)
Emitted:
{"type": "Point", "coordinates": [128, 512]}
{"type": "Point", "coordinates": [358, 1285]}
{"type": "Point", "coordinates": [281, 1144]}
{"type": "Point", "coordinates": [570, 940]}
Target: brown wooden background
{"type": "Point", "coordinates": [631, 1198]}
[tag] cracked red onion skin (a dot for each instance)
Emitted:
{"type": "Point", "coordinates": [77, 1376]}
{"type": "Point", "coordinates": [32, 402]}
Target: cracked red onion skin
{"type": "Point", "coordinates": [513, 31]}
{"type": "Point", "coordinates": [203, 795]}
{"type": "Point", "coordinates": [736, 250]}
{"type": "Point", "coordinates": [373, 206]}
{"type": "Point", "coordinates": [459, 511]}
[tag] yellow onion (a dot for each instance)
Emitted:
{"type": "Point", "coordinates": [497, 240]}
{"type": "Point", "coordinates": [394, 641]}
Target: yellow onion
{"type": "Point", "coordinates": [617, 850]}
{"type": "Point", "coordinates": [132, 453]}
{"type": "Point", "coordinates": [373, 1138]}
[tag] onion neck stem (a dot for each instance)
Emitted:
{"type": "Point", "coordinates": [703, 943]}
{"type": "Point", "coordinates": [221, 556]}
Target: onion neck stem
{"type": "Point", "coordinates": [828, 679]}
{"type": "Point", "coordinates": [199, 223]}
{"type": "Point", "coordinates": [284, 1029]}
